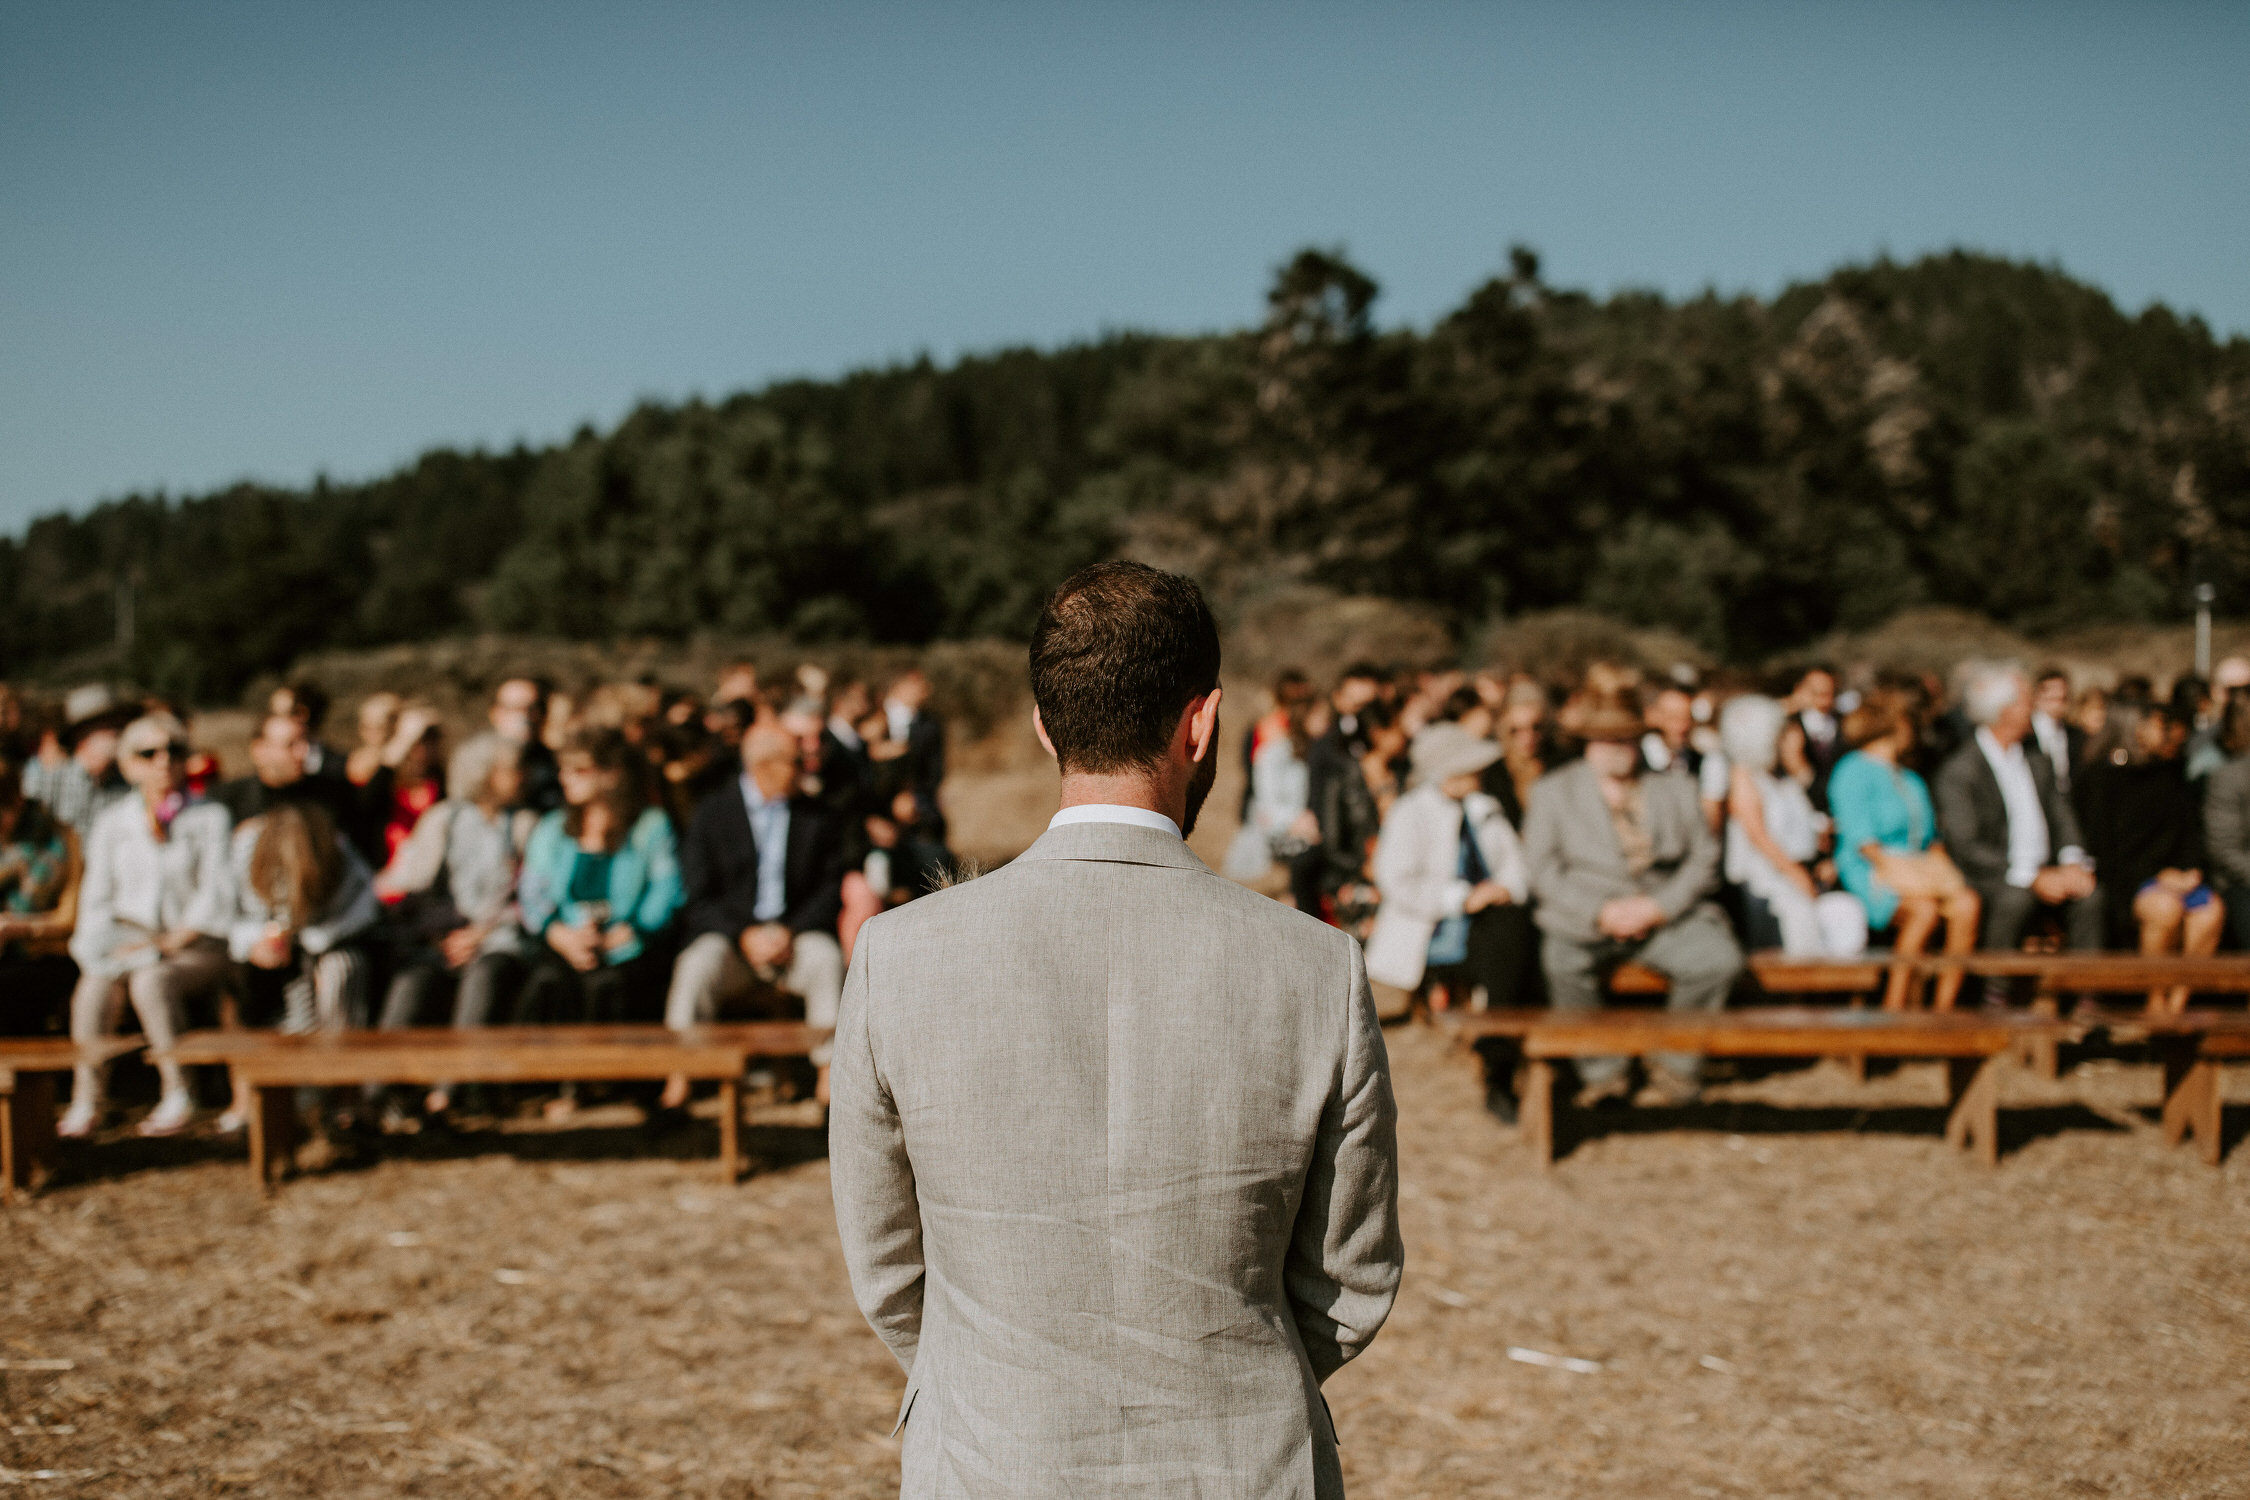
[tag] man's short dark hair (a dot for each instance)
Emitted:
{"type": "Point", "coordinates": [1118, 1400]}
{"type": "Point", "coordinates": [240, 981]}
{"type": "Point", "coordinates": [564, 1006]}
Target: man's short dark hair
{"type": "Point", "coordinates": [1119, 652]}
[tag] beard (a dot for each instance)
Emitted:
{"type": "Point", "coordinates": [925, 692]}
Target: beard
{"type": "Point", "coordinates": [1199, 784]}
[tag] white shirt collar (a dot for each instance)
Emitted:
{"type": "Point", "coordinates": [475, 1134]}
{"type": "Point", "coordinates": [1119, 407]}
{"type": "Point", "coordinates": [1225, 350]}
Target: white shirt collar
{"type": "Point", "coordinates": [1113, 812]}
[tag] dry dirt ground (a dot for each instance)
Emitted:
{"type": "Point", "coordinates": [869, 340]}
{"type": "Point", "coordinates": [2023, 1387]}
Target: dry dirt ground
{"type": "Point", "coordinates": [1795, 1290]}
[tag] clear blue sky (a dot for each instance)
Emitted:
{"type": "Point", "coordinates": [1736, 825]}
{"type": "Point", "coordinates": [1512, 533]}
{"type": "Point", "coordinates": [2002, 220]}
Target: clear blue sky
{"type": "Point", "coordinates": [269, 240]}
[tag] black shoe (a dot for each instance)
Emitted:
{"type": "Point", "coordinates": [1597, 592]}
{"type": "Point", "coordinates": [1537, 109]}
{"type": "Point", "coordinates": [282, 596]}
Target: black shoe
{"type": "Point", "coordinates": [1501, 1105]}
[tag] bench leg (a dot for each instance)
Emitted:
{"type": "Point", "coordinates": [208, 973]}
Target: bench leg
{"type": "Point", "coordinates": [2043, 1054]}
{"type": "Point", "coordinates": [27, 1135]}
{"type": "Point", "coordinates": [2191, 1103]}
{"type": "Point", "coordinates": [1536, 1113]}
{"type": "Point", "coordinates": [273, 1132]}
{"type": "Point", "coordinates": [730, 1127]}
{"type": "Point", "coordinates": [1972, 1097]}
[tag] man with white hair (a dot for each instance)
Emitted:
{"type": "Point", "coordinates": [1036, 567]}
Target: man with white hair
{"type": "Point", "coordinates": [763, 865]}
{"type": "Point", "coordinates": [2006, 823]}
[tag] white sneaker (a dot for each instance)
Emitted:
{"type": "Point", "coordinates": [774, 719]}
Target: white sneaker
{"type": "Point", "coordinates": [232, 1123]}
{"type": "Point", "coordinates": [170, 1115]}
{"type": "Point", "coordinates": [77, 1123]}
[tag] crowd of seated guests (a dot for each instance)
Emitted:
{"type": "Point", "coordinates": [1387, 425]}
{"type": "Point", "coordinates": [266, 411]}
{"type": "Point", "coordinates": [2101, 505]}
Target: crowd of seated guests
{"type": "Point", "coordinates": [1510, 840]}
{"type": "Point", "coordinates": [639, 855]}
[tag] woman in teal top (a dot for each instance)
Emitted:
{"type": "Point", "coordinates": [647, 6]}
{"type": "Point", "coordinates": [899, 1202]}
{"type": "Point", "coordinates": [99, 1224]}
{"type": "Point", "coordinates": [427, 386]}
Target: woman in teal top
{"type": "Point", "coordinates": [600, 883]}
{"type": "Point", "coordinates": [1887, 852]}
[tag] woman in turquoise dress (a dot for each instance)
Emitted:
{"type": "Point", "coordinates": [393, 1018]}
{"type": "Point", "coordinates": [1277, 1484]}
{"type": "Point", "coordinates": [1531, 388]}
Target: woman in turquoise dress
{"type": "Point", "coordinates": [1887, 852]}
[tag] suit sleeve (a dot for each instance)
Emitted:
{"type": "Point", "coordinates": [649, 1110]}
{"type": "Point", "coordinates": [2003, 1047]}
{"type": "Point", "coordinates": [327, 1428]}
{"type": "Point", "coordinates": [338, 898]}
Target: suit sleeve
{"type": "Point", "coordinates": [1571, 905]}
{"type": "Point", "coordinates": [821, 901]}
{"type": "Point", "coordinates": [878, 1216]}
{"type": "Point", "coordinates": [2226, 829]}
{"type": "Point", "coordinates": [1958, 824]}
{"type": "Point", "coordinates": [1345, 1255]}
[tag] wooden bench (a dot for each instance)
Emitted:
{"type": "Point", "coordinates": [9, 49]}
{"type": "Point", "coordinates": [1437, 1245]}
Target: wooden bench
{"type": "Point", "coordinates": [28, 1067]}
{"type": "Point", "coordinates": [1774, 972]}
{"type": "Point", "coordinates": [1974, 1047]}
{"type": "Point", "coordinates": [2192, 1045]}
{"type": "Point", "coordinates": [268, 1066]}
{"type": "Point", "coordinates": [2054, 975]}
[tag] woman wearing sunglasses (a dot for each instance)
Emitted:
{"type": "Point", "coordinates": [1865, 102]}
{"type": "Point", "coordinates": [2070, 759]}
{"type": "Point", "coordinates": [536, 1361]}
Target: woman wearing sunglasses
{"type": "Point", "coordinates": [152, 917]}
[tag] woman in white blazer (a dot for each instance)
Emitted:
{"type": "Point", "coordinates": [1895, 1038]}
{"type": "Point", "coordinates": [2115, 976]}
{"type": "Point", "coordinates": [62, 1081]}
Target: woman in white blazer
{"type": "Point", "coordinates": [1454, 884]}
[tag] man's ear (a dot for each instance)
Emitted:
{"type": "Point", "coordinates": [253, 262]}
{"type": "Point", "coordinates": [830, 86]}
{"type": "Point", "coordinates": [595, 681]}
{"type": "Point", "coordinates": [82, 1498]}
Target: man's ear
{"type": "Point", "coordinates": [1040, 729]}
{"type": "Point", "coordinates": [1203, 726]}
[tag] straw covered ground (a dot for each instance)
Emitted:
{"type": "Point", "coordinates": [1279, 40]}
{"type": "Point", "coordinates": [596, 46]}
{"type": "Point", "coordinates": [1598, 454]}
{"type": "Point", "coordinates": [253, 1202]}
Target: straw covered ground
{"type": "Point", "coordinates": [1796, 1291]}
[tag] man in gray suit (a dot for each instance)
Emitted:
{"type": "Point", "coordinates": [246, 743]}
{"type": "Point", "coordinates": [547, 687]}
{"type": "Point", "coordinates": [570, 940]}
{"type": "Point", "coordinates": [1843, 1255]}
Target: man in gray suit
{"type": "Point", "coordinates": [1623, 866]}
{"type": "Point", "coordinates": [1112, 1138]}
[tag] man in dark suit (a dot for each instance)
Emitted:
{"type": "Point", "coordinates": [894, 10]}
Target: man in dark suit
{"type": "Point", "coordinates": [2052, 734]}
{"type": "Point", "coordinates": [2008, 826]}
{"type": "Point", "coordinates": [279, 754]}
{"type": "Point", "coordinates": [763, 868]}
{"type": "Point", "coordinates": [1813, 706]}
{"type": "Point", "coordinates": [906, 705]}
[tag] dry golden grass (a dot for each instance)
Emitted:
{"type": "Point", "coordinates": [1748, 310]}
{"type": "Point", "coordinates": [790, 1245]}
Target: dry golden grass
{"type": "Point", "coordinates": [1797, 1292]}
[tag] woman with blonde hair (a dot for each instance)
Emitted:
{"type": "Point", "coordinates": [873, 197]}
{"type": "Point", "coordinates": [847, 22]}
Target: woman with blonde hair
{"type": "Point", "coordinates": [1887, 851]}
{"type": "Point", "coordinates": [1773, 841]}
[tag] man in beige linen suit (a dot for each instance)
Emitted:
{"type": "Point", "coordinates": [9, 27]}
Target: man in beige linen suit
{"type": "Point", "coordinates": [1112, 1138]}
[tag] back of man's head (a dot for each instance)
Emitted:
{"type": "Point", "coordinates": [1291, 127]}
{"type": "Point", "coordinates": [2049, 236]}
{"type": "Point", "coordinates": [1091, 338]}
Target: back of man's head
{"type": "Point", "coordinates": [1119, 652]}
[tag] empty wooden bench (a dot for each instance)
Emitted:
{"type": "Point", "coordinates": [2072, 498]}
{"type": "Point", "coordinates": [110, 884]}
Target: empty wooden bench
{"type": "Point", "coordinates": [2193, 1046]}
{"type": "Point", "coordinates": [28, 1068]}
{"type": "Point", "coordinates": [268, 1066]}
{"type": "Point", "coordinates": [1974, 1047]}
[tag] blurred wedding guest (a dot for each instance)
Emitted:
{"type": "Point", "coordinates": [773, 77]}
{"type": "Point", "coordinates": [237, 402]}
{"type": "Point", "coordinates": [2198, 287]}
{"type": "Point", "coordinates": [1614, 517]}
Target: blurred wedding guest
{"type": "Point", "coordinates": [906, 707]}
{"type": "Point", "coordinates": [279, 753]}
{"type": "Point", "coordinates": [1353, 800]}
{"type": "Point", "coordinates": [2007, 825]}
{"type": "Point", "coordinates": [1281, 811]}
{"type": "Point", "coordinates": [377, 721]}
{"type": "Point", "coordinates": [2144, 824]}
{"type": "Point", "coordinates": [1773, 843]}
{"type": "Point", "coordinates": [600, 884]}
{"type": "Point", "coordinates": [2052, 733]}
{"type": "Point", "coordinates": [848, 706]}
{"type": "Point", "coordinates": [153, 915]}
{"type": "Point", "coordinates": [1338, 747]}
{"type": "Point", "coordinates": [1454, 884]}
{"type": "Point", "coordinates": [763, 871]}
{"type": "Point", "coordinates": [1527, 749]}
{"type": "Point", "coordinates": [522, 708]}
{"type": "Point", "coordinates": [2226, 819]}
{"type": "Point", "coordinates": [406, 783]}
{"type": "Point", "coordinates": [454, 888]}
{"type": "Point", "coordinates": [1669, 743]}
{"type": "Point", "coordinates": [16, 738]}
{"type": "Point", "coordinates": [306, 701]}
{"type": "Point", "coordinates": [77, 774]}
{"type": "Point", "coordinates": [1623, 865]}
{"type": "Point", "coordinates": [827, 772]}
{"type": "Point", "coordinates": [738, 683]}
{"type": "Point", "coordinates": [1813, 706]}
{"type": "Point", "coordinates": [304, 907]}
{"type": "Point", "coordinates": [40, 873]}
{"type": "Point", "coordinates": [1887, 853]}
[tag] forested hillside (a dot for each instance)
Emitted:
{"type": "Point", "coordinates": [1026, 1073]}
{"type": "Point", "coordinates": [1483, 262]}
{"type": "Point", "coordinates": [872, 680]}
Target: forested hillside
{"type": "Point", "coordinates": [1961, 430]}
